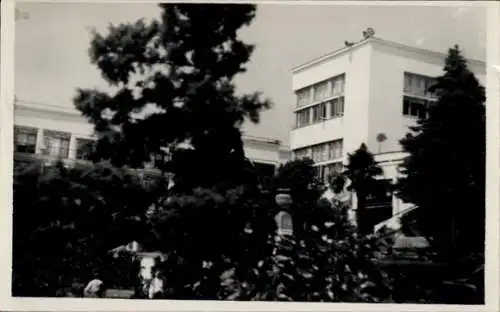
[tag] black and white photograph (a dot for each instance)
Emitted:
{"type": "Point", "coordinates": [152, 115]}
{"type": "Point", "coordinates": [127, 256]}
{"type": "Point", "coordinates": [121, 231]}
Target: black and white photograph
{"type": "Point", "coordinates": [239, 151]}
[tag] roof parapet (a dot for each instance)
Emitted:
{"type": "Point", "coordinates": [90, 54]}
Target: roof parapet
{"type": "Point", "coordinates": [350, 46]}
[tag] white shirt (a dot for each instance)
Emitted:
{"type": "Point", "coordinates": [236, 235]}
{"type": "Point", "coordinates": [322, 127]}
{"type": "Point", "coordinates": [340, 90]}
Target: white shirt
{"type": "Point", "coordinates": [93, 286]}
{"type": "Point", "coordinates": [155, 287]}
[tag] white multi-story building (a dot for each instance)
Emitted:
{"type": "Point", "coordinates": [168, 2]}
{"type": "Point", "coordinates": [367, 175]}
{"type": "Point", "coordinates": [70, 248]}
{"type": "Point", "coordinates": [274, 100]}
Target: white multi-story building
{"type": "Point", "coordinates": [366, 92]}
{"type": "Point", "coordinates": [61, 132]}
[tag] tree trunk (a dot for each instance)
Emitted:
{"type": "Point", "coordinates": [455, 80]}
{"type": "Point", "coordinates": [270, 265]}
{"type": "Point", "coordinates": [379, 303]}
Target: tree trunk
{"type": "Point", "coordinates": [361, 202]}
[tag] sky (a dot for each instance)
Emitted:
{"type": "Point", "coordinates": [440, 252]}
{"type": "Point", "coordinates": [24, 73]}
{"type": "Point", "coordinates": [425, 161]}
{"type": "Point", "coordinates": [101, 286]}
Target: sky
{"type": "Point", "coordinates": [51, 56]}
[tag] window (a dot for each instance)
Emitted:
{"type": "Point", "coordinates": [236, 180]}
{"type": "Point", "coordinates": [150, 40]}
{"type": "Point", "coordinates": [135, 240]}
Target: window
{"type": "Point", "coordinates": [417, 96]}
{"type": "Point", "coordinates": [264, 170]}
{"type": "Point", "coordinates": [303, 97]}
{"type": "Point", "coordinates": [319, 112]}
{"type": "Point", "coordinates": [337, 167]}
{"type": "Point", "coordinates": [25, 139]}
{"type": "Point", "coordinates": [322, 152]}
{"type": "Point", "coordinates": [429, 83]}
{"type": "Point", "coordinates": [320, 173]}
{"type": "Point", "coordinates": [338, 84]}
{"type": "Point", "coordinates": [56, 143]}
{"type": "Point", "coordinates": [317, 153]}
{"type": "Point", "coordinates": [83, 148]}
{"type": "Point", "coordinates": [414, 107]}
{"type": "Point", "coordinates": [418, 85]}
{"type": "Point", "coordinates": [337, 107]}
{"type": "Point", "coordinates": [335, 149]}
{"type": "Point", "coordinates": [321, 91]}
{"type": "Point", "coordinates": [303, 117]}
{"type": "Point", "coordinates": [326, 171]}
{"type": "Point", "coordinates": [301, 153]}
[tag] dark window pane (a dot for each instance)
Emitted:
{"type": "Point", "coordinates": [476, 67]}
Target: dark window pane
{"type": "Point", "coordinates": [25, 140]}
{"type": "Point", "coordinates": [406, 106]}
{"type": "Point", "coordinates": [264, 170]}
{"type": "Point", "coordinates": [413, 108]}
{"type": "Point", "coordinates": [25, 149]}
{"type": "Point", "coordinates": [83, 148]}
{"type": "Point", "coordinates": [422, 113]}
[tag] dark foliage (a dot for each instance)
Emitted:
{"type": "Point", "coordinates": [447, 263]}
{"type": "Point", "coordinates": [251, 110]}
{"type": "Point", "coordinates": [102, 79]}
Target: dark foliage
{"type": "Point", "coordinates": [325, 260]}
{"type": "Point", "coordinates": [305, 188]}
{"type": "Point", "coordinates": [443, 177]}
{"type": "Point", "coordinates": [205, 233]}
{"type": "Point", "coordinates": [65, 221]}
{"type": "Point", "coordinates": [177, 72]}
{"type": "Point", "coordinates": [329, 264]}
{"type": "Point", "coordinates": [360, 173]}
{"type": "Point", "coordinates": [446, 180]}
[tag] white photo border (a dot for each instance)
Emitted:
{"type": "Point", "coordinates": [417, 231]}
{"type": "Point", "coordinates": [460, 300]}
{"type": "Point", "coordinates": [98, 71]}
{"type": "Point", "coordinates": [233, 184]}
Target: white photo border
{"type": "Point", "coordinates": [68, 304]}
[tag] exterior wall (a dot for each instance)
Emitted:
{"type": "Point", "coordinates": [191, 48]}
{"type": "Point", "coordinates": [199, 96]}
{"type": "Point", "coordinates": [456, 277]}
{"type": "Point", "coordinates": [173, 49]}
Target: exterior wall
{"type": "Point", "coordinates": [284, 154]}
{"type": "Point", "coordinates": [57, 118]}
{"type": "Point", "coordinates": [53, 118]}
{"type": "Point", "coordinates": [353, 126]}
{"type": "Point", "coordinates": [264, 152]}
{"type": "Point", "coordinates": [373, 93]}
{"type": "Point", "coordinates": [356, 118]}
{"type": "Point", "coordinates": [374, 89]}
{"type": "Point", "coordinates": [387, 67]}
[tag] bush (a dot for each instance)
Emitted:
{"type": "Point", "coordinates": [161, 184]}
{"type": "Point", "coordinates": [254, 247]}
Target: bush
{"type": "Point", "coordinates": [65, 221]}
{"type": "Point", "coordinates": [330, 264]}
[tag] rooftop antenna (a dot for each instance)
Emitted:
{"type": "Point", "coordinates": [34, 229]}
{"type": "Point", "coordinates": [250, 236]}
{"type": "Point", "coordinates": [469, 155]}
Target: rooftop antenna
{"type": "Point", "coordinates": [368, 33]}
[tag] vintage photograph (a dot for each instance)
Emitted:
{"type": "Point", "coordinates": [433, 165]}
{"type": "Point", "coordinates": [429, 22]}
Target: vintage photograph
{"type": "Point", "coordinates": [250, 152]}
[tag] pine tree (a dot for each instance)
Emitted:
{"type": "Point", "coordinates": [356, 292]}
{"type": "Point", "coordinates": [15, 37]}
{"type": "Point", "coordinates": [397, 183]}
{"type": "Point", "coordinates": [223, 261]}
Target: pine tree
{"type": "Point", "coordinates": [177, 72]}
{"type": "Point", "coordinates": [361, 172]}
{"type": "Point", "coordinates": [445, 169]}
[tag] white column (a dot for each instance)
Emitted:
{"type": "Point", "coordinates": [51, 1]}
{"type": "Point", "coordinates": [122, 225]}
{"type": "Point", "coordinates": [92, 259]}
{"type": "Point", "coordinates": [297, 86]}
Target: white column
{"type": "Point", "coordinates": [39, 141]}
{"type": "Point", "coordinates": [311, 95]}
{"type": "Point", "coordinates": [72, 147]}
{"type": "Point", "coordinates": [352, 214]}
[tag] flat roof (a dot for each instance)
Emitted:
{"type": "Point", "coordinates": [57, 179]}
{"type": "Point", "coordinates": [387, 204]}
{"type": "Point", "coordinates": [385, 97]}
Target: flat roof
{"type": "Point", "coordinates": [363, 42]}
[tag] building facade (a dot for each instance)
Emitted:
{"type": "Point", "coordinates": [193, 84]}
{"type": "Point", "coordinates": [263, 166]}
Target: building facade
{"type": "Point", "coordinates": [367, 92]}
{"type": "Point", "coordinates": [55, 132]}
